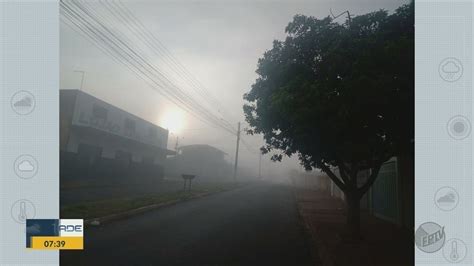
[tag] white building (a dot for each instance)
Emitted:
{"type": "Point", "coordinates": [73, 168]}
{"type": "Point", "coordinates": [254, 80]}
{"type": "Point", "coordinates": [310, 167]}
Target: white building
{"type": "Point", "coordinates": [97, 136]}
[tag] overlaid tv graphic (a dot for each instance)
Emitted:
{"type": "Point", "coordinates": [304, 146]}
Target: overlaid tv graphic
{"type": "Point", "coordinates": [55, 234]}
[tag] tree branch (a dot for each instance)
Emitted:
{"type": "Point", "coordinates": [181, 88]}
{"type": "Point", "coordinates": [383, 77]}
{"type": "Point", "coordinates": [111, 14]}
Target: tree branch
{"type": "Point", "coordinates": [375, 172]}
{"type": "Point", "coordinates": [333, 177]}
{"type": "Point", "coordinates": [343, 171]}
{"type": "Point", "coordinates": [343, 175]}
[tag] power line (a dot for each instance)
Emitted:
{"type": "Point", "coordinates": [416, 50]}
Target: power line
{"type": "Point", "coordinates": [112, 44]}
{"type": "Point", "coordinates": [123, 15]}
{"type": "Point", "coordinates": [118, 47]}
{"type": "Point", "coordinates": [161, 50]}
{"type": "Point", "coordinates": [98, 29]}
{"type": "Point", "coordinates": [249, 147]}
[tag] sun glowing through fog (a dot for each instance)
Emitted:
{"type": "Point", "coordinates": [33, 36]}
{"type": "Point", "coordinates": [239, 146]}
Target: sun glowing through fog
{"type": "Point", "coordinates": [173, 120]}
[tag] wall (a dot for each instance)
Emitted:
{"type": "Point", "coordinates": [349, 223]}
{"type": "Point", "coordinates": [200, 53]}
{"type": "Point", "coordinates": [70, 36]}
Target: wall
{"type": "Point", "coordinates": [406, 170]}
{"type": "Point", "coordinates": [110, 144]}
{"type": "Point", "coordinates": [392, 195]}
{"type": "Point", "coordinates": [89, 143]}
{"type": "Point", "coordinates": [204, 161]}
{"type": "Point", "coordinates": [107, 172]}
{"type": "Point", "coordinates": [385, 192]}
{"type": "Point", "coordinates": [87, 113]}
{"type": "Point", "coordinates": [67, 100]}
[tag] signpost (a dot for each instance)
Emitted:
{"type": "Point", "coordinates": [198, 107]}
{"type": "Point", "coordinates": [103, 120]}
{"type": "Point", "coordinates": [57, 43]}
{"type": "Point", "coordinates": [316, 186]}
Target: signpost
{"type": "Point", "coordinates": [188, 179]}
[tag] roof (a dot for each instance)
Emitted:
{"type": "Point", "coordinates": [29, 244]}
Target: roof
{"type": "Point", "coordinates": [76, 91]}
{"type": "Point", "coordinates": [84, 104]}
{"type": "Point", "coordinates": [201, 147]}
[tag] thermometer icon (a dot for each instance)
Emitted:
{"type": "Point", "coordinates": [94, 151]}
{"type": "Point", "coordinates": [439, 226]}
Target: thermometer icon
{"type": "Point", "coordinates": [454, 256]}
{"type": "Point", "coordinates": [22, 216]}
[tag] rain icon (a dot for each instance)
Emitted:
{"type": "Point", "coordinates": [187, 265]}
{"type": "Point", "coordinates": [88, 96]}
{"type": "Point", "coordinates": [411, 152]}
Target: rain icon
{"type": "Point", "coordinates": [450, 69]}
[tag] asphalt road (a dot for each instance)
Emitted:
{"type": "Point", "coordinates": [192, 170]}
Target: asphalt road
{"type": "Point", "coordinates": [254, 225]}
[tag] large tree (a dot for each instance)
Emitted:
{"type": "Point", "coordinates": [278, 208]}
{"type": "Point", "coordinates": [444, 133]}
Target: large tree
{"type": "Point", "coordinates": [339, 95]}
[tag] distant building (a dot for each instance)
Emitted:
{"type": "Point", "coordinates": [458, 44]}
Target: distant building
{"type": "Point", "coordinates": [205, 161]}
{"type": "Point", "coordinates": [99, 140]}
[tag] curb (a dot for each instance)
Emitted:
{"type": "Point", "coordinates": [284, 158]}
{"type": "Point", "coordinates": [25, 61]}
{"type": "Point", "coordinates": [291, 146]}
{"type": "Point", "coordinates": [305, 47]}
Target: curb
{"type": "Point", "coordinates": [319, 251]}
{"type": "Point", "coordinates": [309, 238]}
{"type": "Point", "coordinates": [117, 216]}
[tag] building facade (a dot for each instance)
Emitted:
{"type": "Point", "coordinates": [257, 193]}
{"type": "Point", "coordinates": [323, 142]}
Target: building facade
{"type": "Point", "coordinates": [101, 141]}
{"type": "Point", "coordinates": [202, 160]}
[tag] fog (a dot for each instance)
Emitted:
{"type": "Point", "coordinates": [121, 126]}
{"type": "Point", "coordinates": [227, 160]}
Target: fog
{"type": "Point", "coordinates": [219, 42]}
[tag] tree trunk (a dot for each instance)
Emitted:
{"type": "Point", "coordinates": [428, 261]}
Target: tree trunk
{"type": "Point", "coordinates": [353, 215]}
{"type": "Point", "coordinates": [347, 182]}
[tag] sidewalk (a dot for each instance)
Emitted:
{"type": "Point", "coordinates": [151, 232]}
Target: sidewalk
{"type": "Point", "coordinates": [324, 218]}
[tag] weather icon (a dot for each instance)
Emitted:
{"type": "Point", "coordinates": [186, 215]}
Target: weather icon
{"type": "Point", "coordinates": [22, 210]}
{"type": "Point", "coordinates": [450, 69]}
{"type": "Point", "coordinates": [446, 198]}
{"type": "Point", "coordinates": [25, 166]}
{"type": "Point", "coordinates": [455, 250]}
{"type": "Point", "coordinates": [23, 102]}
{"type": "Point", "coordinates": [459, 127]}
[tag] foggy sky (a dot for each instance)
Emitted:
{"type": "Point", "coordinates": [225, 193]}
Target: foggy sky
{"type": "Point", "coordinates": [219, 42]}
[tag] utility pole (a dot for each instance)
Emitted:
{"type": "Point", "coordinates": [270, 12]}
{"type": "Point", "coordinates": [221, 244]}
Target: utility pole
{"type": "Point", "coordinates": [237, 151]}
{"type": "Point", "coordinates": [82, 78]}
{"type": "Point", "coordinates": [349, 17]}
{"type": "Point", "coordinates": [177, 143]}
{"type": "Point", "coordinates": [260, 166]}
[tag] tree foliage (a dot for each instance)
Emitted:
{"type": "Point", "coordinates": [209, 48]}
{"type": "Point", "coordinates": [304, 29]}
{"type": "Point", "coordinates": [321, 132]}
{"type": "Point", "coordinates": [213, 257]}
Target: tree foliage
{"type": "Point", "coordinates": [338, 94]}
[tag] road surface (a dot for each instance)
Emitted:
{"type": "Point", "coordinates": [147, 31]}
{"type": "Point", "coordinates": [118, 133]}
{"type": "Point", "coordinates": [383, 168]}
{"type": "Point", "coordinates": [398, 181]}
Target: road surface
{"type": "Point", "coordinates": [254, 225]}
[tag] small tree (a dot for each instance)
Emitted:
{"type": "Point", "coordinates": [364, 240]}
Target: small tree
{"type": "Point", "coordinates": [339, 96]}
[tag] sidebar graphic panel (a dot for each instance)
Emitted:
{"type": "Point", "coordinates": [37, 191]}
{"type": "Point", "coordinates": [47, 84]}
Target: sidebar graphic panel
{"type": "Point", "coordinates": [29, 75]}
{"type": "Point", "coordinates": [443, 133]}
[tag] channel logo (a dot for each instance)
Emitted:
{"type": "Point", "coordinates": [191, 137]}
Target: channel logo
{"type": "Point", "coordinates": [55, 234]}
{"type": "Point", "coordinates": [430, 237]}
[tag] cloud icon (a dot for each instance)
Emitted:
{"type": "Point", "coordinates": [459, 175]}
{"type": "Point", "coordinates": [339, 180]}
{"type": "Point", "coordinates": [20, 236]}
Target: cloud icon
{"type": "Point", "coordinates": [26, 166]}
{"type": "Point", "coordinates": [450, 67]}
{"type": "Point", "coordinates": [450, 197]}
{"type": "Point", "coordinates": [25, 102]}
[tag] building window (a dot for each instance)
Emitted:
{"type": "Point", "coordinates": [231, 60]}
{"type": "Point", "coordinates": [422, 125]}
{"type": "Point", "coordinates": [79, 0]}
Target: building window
{"type": "Point", "coordinates": [129, 127]}
{"type": "Point", "coordinates": [123, 156]}
{"type": "Point", "coordinates": [148, 159]}
{"type": "Point", "coordinates": [89, 154]}
{"type": "Point", "coordinates": [99, 112]}
{"type": "Point", "coordinates": [152, 132]}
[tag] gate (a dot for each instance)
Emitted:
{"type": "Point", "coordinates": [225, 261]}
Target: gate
{"type": "Point", "coordinates": [385, 191]}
